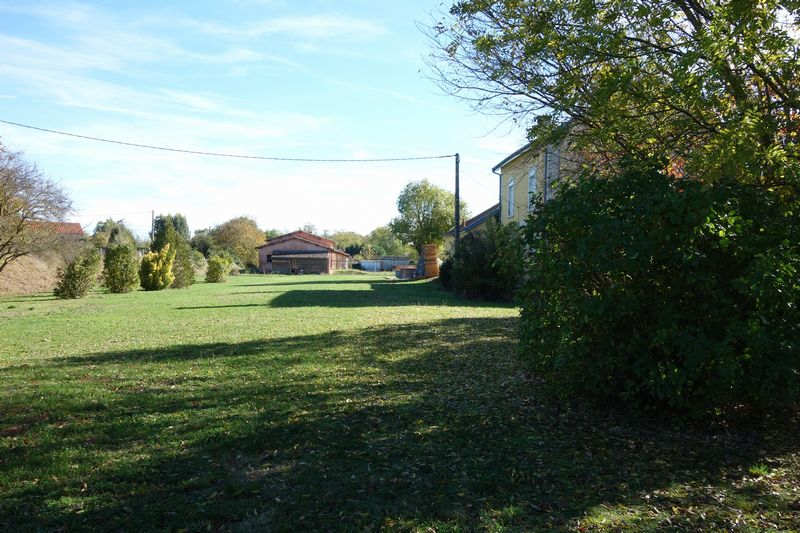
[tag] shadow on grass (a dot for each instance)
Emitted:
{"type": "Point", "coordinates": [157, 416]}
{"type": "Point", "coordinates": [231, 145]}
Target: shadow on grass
{"type": "Point", "coordinates": [373, 294]}
{"type": "Point", "coordinates": [399, 427]}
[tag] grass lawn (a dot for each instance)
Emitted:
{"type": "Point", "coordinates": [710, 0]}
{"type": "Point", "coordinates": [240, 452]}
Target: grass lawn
{"type": "Point", "coordinates": [340, 403]}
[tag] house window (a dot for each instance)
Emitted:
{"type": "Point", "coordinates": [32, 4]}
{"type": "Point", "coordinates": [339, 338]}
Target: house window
{"type": "Point", "coordinates": [510, 200]}
{"type": "Point", "coordinates": [532, 188]}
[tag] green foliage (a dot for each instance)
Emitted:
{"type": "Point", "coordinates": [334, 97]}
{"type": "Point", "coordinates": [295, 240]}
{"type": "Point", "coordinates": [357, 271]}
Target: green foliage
{"type": "Point", "coordinates": [203, 242]}
{"type": "Point", "coordinates": [665, 292]}
{"type": "Point", "coordinates": [199, 263]}
{"type": "Point", "coordinates": [218, 268]}
{"type": "Point", "coordinates": [487, 263]}
{"type": "Point", "coordinates": [121, 268]}
{"type": "Point", "coordinates": [272, 233]}
{"type": "Point", "coordinates": [112, 232]}
{"type": "Point", "coordinates": [79, 276]}
{"type": "Point", "coordinates": [381, 242]}
{"type": "Point", "coordinates": [177, 222]}
{"type": "Point", "coordinates": [183, 266]}
{"type": "Point", "coordinates": [426, 213]}
{"type": "Point", "coordinates": [155, 270]}
{"type": "Point", "coordinates": [709, 84]}
{"type": "Point", "coordinates": [240, 236]}
{"type": "Point", "coordinates": [446, 273]}
{"type": "Point", "coordinates": [164, 234]}
{"type": "Point", "coordinates": [348, 241]}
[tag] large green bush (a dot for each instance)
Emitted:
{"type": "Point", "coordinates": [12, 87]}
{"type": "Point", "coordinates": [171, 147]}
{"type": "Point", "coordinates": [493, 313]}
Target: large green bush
{"type": "Point", "coordinates": [155, 270]}
{"type": "Point", "coordinates": [121, 268]}
{"type": "Point", "coordinates": [486, 264]}
{"type": "Point", "coordinates": [183, 266]}
{"type": "Point", "coordinates": [665, 292]}
{"type": "Point", "coordinates": [218, 268]}
{"type": "Point", "coordinates": [79, 276]}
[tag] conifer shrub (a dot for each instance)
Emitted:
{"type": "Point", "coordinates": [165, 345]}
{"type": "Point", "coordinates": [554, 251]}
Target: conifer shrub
{"type": "Point", "coordinates": [218, 268]}
{"type": "Point", "coordinates": [121, 268]}
{"type": "Point", "coordinates": [79, 276]}
{"type": "Point", "coordinates": [665, 293]}
{"type": "Point", "coordinates": [182, 266]}
{"type": "Point", "coordinates": [155, 270]}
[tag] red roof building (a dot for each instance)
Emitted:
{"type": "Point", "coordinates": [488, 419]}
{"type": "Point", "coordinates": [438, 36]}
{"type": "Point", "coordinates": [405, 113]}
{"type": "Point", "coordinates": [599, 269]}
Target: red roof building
{"type": "Point", "coordinates": [300, 252]}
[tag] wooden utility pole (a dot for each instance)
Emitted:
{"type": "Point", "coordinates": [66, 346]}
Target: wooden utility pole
{"type": "Point", "coordinates": [458, 205]}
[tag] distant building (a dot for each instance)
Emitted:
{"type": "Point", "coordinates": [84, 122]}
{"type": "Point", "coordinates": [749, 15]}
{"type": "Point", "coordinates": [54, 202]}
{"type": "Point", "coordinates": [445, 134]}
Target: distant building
{"type": "Point", "coordinates": [300, 252]}
{"type": "Point", "coordinates": [384, 264]}
{"type": "Point", "coordinates": [67, 230]}
{"type": "Point", "coordinates": [474, 224]}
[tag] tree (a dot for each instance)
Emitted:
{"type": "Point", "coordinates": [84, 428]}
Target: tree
{"type": "Point", "coordinates": [203, 242]}
{"type": "Point", "coordinates": [79, 276]}
{"type": "Point", "coordinates": [348, 241]}
{"type": "Point", "coordinates": [167, 234]}
{"type": "Point", "coordinates": [112, 232]}
{"type": "Point", "coordinates": [309, 228]}
{"type": "Point", "coordinates": [155, 270]}
{"type": "Point", "coordinates": [27, 202]}
{"type": "Point", "coordinates": [272, 233]}
{"type": "Point", "coordinates": [121, 268]}
{"type": "Point", "coordinates": [218, 268]}
{"type": "Point", "coordinates": [426, 213]}
{"type": "Point", "coordinates": [382, 241]}
{"type": "Point", "coordinates": [710, 86]}
{"type": "Point", "coordinates": [178, 222]}
{"type": "Point", "coordinates": [240, 236]}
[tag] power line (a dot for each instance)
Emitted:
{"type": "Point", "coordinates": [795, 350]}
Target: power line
{"type": "Point", "coordinates": [220, 154]}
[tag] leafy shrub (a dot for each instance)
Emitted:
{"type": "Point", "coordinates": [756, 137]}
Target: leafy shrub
{"type": "Point", "coordinates": [155, 270]}
{"type": "Point", "coordinates": [199, 263]}
{"type": "Point", "coordinates": [488, 263]}
{"type": "Point", "coordinates": [218, 268]}
{"type": "Point", "coordinates": [182, 266]}
{"type": "Point", "coordinates": [446, 273]}
{"type": "Point", "coordinates": [79, 276]}
{"type": "Point", "coordinates": [665, 292]}
{"type": "Point", "coordinates": [121, 268]}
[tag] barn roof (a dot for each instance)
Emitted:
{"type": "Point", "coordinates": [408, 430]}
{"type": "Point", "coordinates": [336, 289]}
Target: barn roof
{"type": "Point", "coordinates": [307, 237]}
{"type": "Point", "coordinates": [62, 228]}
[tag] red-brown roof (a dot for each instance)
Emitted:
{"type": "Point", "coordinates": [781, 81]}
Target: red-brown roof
{"type": "Point", "coordinates": [62, 228]}
{"type": "Point", "coordinates": [325, 243]}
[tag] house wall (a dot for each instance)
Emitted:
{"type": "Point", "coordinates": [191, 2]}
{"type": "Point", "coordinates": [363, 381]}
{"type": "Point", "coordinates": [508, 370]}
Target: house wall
{"type": "Point", "coordinates": [291, 244]}
{"type": "Point", "coordinates": [561, 164]}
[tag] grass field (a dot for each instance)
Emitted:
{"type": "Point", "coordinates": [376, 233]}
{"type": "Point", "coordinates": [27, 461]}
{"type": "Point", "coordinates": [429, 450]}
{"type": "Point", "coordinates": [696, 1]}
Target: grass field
{"type": "Point", "coordinates": [340, 403]}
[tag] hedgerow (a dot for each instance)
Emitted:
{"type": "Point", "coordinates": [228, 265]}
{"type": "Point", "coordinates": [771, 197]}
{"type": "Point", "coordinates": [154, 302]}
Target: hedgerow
{"type": "Point", "coordinates": [665, 292]}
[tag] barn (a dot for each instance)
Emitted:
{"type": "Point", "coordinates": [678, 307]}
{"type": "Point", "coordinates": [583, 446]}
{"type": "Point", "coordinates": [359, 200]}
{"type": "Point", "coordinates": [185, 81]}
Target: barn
{"type": "Point", "coordinates": [300, 252]}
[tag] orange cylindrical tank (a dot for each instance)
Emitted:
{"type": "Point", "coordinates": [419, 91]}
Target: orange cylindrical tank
{"type": "Point", "coordinates": [430, 253]}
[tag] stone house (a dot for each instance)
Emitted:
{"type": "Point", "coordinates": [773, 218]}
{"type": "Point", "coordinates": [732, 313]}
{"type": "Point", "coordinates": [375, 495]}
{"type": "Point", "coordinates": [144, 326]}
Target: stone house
{"type": "Point", "coordinates": [530, 172]}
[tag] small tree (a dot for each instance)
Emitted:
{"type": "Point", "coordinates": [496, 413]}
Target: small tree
{"type": "Point", "coordinates": [183, 268]}
{"type": "Point", "coordinates": [27, 200]}
{"type": "Point", "coordinates": [240, 236]}
{"type": "Point", "coordinates": [121, 268]}
{"type": "Point", "coordinates": [155, 271]}
{"type": "Point", "coordinates": [111, 232]}
{"type": "Point", "coordinates": [79, 276]}
{"type": "Point", "coordinates": [426, 213]}
{"type": "Point", "coordinates": [218, 268]}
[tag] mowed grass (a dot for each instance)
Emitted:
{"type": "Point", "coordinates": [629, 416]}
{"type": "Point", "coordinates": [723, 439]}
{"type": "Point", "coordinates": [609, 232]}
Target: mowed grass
{"type": "Point", "coordinates": [277, 403]}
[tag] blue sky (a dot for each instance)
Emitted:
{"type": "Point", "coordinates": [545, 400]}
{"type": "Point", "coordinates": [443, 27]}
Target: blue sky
{"type": "Point", "coordinates": [298, 79]}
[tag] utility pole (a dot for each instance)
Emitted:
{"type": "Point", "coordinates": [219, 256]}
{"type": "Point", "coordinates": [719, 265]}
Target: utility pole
{"type": "Point", "coordinates": [152, 224]}
{"type": "Point", "coordinates": [458, 205]}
